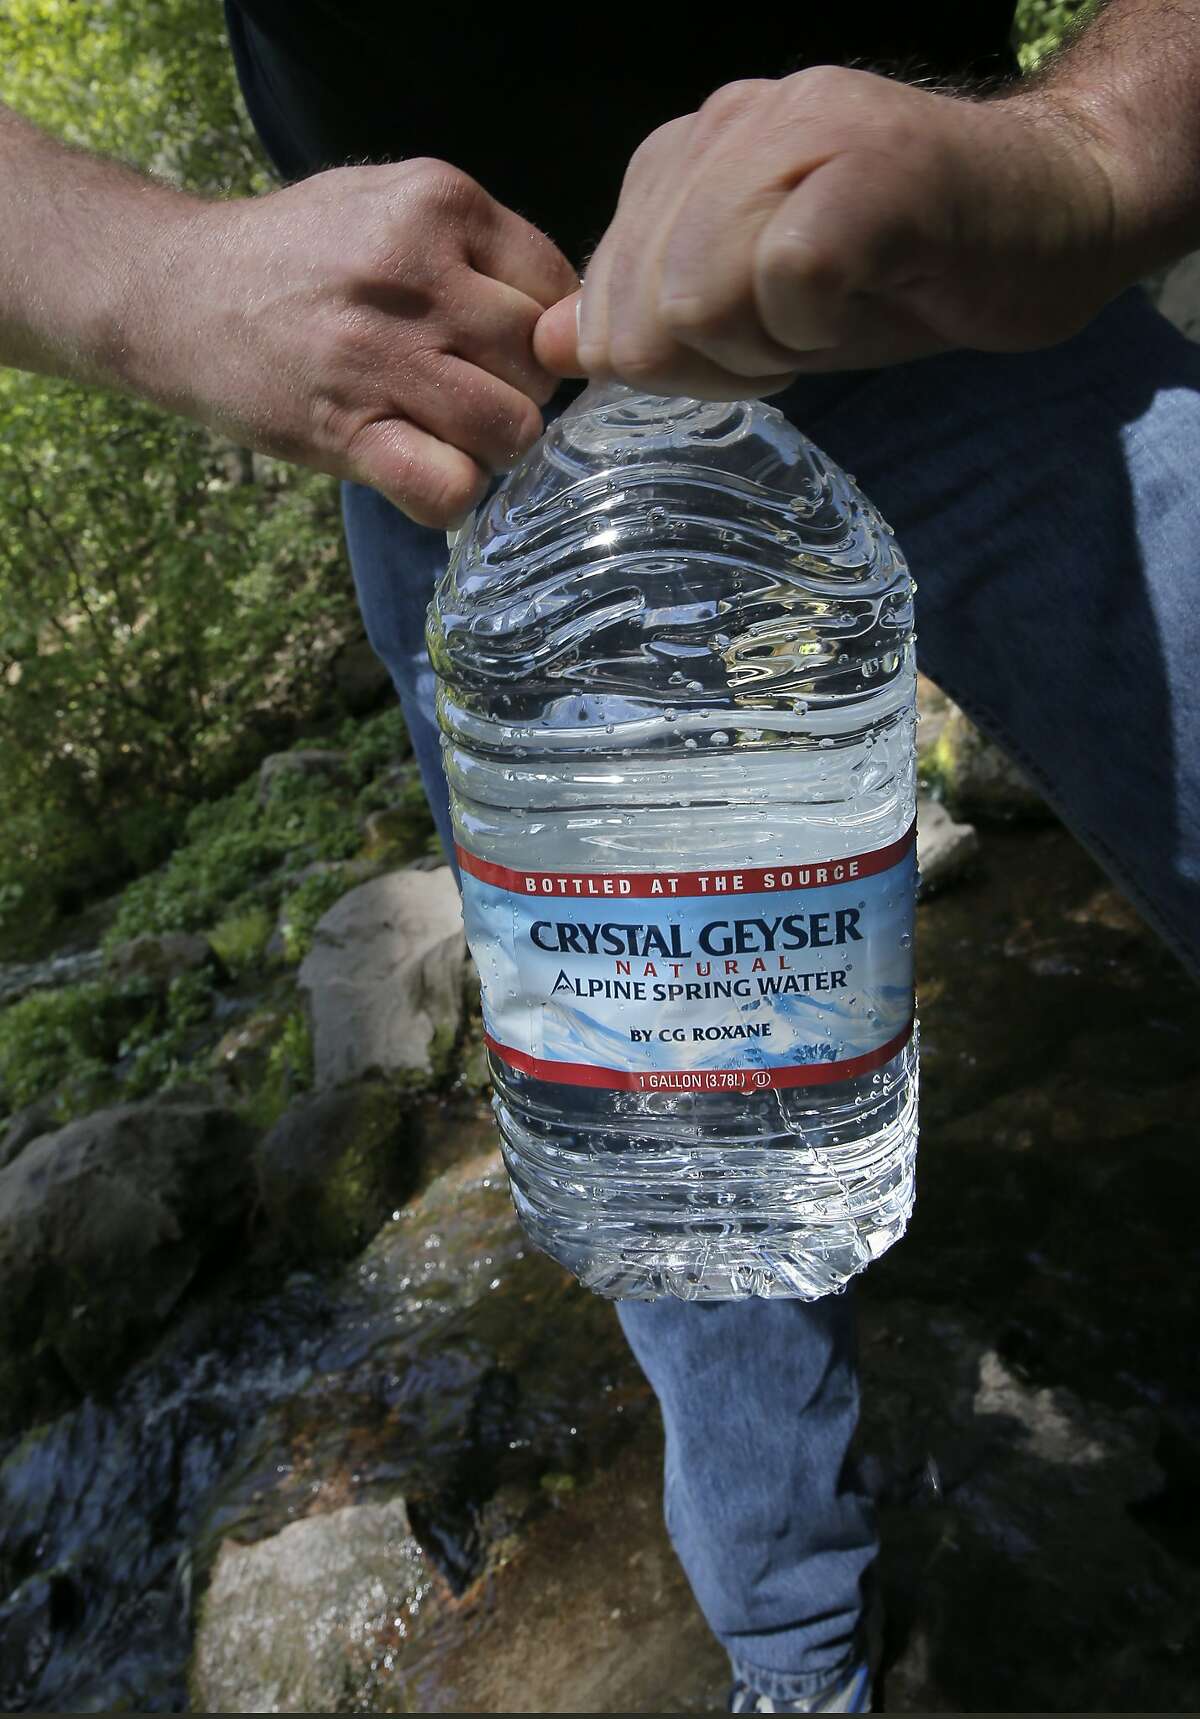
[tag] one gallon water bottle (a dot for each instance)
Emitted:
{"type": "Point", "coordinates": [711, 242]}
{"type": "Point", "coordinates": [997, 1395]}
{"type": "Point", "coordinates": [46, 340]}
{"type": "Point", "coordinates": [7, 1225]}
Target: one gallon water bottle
{"type": "Point", "coordinates": [677, 699]}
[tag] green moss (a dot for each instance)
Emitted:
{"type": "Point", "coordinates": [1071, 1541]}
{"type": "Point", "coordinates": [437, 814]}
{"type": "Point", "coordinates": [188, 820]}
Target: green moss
{"type": "Point", "coordinates": [233, 848]}
{"type": "Point", "coordinates": [97, 1043]}
{"type": "Point", "coordinates": [289, 1072]}
{"type": "Point", "coordinates": [374, 745]}
{"type": "Point", "coordinates": [305, 907]}
{"type": "Point", "coordinates": [240, 939]}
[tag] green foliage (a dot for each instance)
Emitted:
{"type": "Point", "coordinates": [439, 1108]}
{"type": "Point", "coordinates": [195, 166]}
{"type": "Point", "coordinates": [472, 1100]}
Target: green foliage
{"type": "Point", "coordinates": [162, 622]}
{"type": "Point", "coordinates": [97, 1042]}
{"type": "Point", "coordinates": [160, 1047]}
{"type": "Point", "coordinates": [50, 1035]}
{"type": "Point", "coordinates": [151, 82]}
{"type": "Point", "coordinates": [305, 906]}
{"type": "Point", "coordinates": [289, 1072]}
{"type": "Point", "coordinates": [235, 855]}
{"type": "Point", "coordinates": [240, 939]}
{"type": "Point", "coordinates": [168, 605]}
{"type": "Point", "coordinates": [231, 845]}
{"type": "Point", "coordinates": [372, 746]}
{"type": "Point", "coordinates": [1043, 25]}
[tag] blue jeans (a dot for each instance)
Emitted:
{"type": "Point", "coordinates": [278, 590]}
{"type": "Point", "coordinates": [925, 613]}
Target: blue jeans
{"type": "Point", "coordinates": [1049, 504]}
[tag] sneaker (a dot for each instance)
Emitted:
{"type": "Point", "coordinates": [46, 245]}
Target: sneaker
{"type": "Point", "coordinates": [849, 1694]}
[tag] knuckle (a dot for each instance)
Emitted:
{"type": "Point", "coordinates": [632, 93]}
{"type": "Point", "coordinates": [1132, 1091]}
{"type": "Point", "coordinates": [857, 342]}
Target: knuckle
{"type": "Point", "coordinates": [523, 427]}
{"type": "Point", "coordinates": [687, 314]}
{"type": "Point", "coordinates": [804, 261]}
{"type": "Point", "coordinates": [820, 84]}
{"type": "Point", "coordinates": [731, 101]}
{"type": "Point", "coordinates": [448, 496]}
{"type": "Point", "coordinates": [649, 150]}
{"type": "Point", "coordinates": [441, 185]}
{"type": "Point", "coordinates": [354, 345]}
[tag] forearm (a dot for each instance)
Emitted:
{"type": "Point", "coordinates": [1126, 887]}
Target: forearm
{"type": "Point", "coordinates": [85, 248]}
{"type": "Point", "coordinates": [1129, 84]}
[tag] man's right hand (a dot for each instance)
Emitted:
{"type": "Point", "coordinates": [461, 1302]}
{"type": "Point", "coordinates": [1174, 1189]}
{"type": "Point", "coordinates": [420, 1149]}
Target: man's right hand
{"type": "Point", "coordinates": [374, 322]}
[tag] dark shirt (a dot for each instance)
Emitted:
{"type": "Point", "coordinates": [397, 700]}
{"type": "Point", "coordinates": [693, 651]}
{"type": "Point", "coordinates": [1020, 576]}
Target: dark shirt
{"type": "Point", "coordinates": [546, 111]}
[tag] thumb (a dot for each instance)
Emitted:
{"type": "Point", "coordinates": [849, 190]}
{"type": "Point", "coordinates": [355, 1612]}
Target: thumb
{"type": "Point", "coordinates": [556, 337]}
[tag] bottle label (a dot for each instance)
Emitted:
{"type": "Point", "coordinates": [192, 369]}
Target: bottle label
{"type": "Point", "coordinates": [696, 981]}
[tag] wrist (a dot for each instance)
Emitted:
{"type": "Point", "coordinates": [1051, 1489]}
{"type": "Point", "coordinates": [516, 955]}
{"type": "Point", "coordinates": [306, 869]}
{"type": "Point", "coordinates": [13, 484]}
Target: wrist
{"type": "Point", "coordinates": [142, 334]}
{"type": "Point", "coordinates": [1151, 214]}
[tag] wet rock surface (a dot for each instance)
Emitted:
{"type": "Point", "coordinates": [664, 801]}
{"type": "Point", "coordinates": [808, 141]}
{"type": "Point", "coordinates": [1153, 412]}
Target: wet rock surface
{"type": "Point", "coordinates": [385, 978]}
{"type": "Point", "coordinates": [1030, 1421]}
{"type": "Point", "coordinates": [19, 978]}
{"type": "Point", "coordinates": [289, 1621]}
{"type": "Point", "coordinates": [159, 959]}
{"type": "Point", "coordinates": [103, 1225]}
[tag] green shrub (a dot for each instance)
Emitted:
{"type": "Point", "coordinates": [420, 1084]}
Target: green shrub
{"type": "Point", "coordinates": [240, 939]}
{"type": "Point", "coordinates": [162, 1046]}
{"type": "Point", "coordinates": [99, 1043]}
{"type": "Point", "coordinates": [305, 906]}
{"type": "Point", "coordinates": [74, 1032]}
{"type": "Point", "coordinates": [169, 606]}
{"type": "Point", "coordinates": [232, 848]}
{"type": "Point", "coordinates": [1043, 25]}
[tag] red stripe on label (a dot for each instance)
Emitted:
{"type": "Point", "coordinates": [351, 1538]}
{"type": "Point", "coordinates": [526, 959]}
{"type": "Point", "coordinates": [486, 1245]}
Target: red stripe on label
{"type": "Point", "coordinates": [699, 1079]}
{"type": "Point", "coordinates": [672, 885]}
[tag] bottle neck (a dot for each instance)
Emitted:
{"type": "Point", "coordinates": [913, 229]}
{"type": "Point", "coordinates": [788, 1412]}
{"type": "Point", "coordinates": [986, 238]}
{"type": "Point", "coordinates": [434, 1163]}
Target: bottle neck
{"type": "Point", "coordinates": [608, 414]}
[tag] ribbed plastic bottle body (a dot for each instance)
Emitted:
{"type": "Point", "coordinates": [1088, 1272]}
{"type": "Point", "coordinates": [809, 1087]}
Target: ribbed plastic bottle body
{"type": "Point", "coordinates": [677, 695]}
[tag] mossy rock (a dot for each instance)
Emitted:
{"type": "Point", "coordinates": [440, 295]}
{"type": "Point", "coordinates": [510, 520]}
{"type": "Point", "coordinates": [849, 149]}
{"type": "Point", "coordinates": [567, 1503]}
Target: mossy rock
{"type": "Point", "coordinates": [977, 780]}
{"type": "Point", "coordinates": [334, 1167]}
{"type": "Point", "coordinates": [395, 835]}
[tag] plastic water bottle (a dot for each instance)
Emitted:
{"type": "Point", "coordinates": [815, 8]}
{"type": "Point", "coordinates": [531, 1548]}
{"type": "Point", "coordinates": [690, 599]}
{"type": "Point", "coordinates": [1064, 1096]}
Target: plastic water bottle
{"type": "Point", "coordinates": [677, 696]}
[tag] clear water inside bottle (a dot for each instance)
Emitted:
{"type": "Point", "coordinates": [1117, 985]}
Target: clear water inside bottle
{"type": "Point", "coordinates": [677, 642]}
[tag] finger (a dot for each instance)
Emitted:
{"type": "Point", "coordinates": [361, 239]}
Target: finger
{"type": "Point", "coordinates": [506, 247]}
{"type": "Point", "coordinates": [706, 297]}
{"type": "Point", "coordinates": [472, 410]}
{"type": "Point", "coordinates": [492, 326]}
{"type": "Point", "coordinates": [433, 483]}
{"type": "Point", "coordinates": [619, 333]}
{"type": "Point", "coordinates": [845, 232]}
{"type": "Point", "coordinates": [556, 338]}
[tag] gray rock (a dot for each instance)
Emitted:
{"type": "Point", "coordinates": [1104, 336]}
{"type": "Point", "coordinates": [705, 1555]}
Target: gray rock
{"type": "Point", "coordinates": [27, 1125]}
{"type": "Point", "coordinates": [977, 779]}
{"type": "Point", "coordinates": [290, 1624]}
{"type": "Point", "coordinates": [360, 678]}
{"type": "Point", "coordinates": [945, 850]}
{"type": "Point", "coordinates": [160, 958]}
{"type": "Point", "coordinates": [334, 1166]}
{"type": "Point", "coordinates": [305, 761]}
{"type": "Point", "coordinates": [384, 979]}
{"type": "Point", "coordinates": [103, 1225]}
